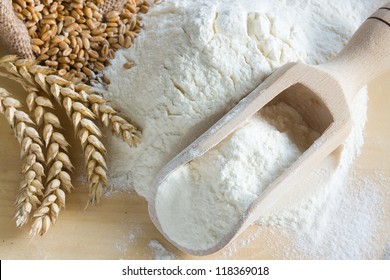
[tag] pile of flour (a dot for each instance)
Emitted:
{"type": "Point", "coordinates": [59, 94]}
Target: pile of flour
{"type": "Point", "coordinates": [196, 59]}
{"type": "Point", "coordinates": [201, 202]}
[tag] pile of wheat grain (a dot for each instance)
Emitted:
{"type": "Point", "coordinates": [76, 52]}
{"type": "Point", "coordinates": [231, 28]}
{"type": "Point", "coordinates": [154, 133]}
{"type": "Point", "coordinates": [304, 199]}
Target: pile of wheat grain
{"type": "Point", "coordinates": [75, 37]}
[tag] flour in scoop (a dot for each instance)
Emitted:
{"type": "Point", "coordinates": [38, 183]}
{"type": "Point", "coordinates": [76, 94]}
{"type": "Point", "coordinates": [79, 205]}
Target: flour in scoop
{"type": "Point", "coordinates": [202, 201]}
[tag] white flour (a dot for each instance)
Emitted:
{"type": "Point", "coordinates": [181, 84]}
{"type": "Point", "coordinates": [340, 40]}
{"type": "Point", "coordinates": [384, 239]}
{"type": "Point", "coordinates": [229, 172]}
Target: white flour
{"type": "Point", "coordinates": [195, 59]}
{"type": "Point", "coordinates": [386, 255]}
{"type": "Point", "coordinates": [202, 201]}
{"type": "Point", "coordinates": [159, 252]}
{"type": "Point", "coordinates": [348, 230]}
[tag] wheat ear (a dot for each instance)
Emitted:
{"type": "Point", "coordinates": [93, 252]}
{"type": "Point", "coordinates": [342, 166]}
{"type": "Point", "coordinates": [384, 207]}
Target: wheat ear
{"type": "Point", "coordinates": [109, 117]}
{"type": "Point", "coordinates": [58, 164]}
{"type": "Point", "coordinates": [31, 186]}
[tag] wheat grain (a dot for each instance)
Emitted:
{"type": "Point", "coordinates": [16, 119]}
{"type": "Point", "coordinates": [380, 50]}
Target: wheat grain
{"type": "Point", "coordinates": [128, 65]}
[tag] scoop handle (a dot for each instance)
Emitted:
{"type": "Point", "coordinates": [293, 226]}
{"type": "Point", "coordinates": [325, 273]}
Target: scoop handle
{"type": "Point", "coordinates": [366, 55]}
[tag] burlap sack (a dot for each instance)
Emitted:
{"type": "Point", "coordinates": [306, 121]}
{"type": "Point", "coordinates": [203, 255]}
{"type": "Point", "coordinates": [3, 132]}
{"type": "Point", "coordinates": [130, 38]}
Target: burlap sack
{"type": "Point", "coordinates": [14, 35]}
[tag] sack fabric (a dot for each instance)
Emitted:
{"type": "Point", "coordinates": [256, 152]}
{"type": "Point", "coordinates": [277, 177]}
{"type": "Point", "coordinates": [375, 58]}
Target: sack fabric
{"type": "Point", "coordinates": [13, 33]}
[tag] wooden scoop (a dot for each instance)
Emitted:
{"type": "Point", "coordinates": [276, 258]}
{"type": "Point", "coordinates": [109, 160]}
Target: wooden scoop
{"type": "Point", "coordinates": [321, 94]}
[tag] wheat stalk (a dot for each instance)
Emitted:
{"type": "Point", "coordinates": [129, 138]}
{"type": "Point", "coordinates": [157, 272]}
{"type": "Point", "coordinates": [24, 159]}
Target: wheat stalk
{"type": "Point", "coordinates": [30, 188]}
{"type": "Point", "coordinates": [58, 163]}
{"type": "Point", "coordinates": [82, 105]}
{"type": "Point", "coordinates": [78, 113]}
{"type": "Point", "coordinates": [88, 133]}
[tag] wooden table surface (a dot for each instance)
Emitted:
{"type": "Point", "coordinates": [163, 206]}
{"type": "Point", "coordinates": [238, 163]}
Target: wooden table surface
{"type": "Point", "coordinates": [119, 228]}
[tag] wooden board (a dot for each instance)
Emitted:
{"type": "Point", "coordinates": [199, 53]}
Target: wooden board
{"type": "Point", "coordinates": [119, 228]}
